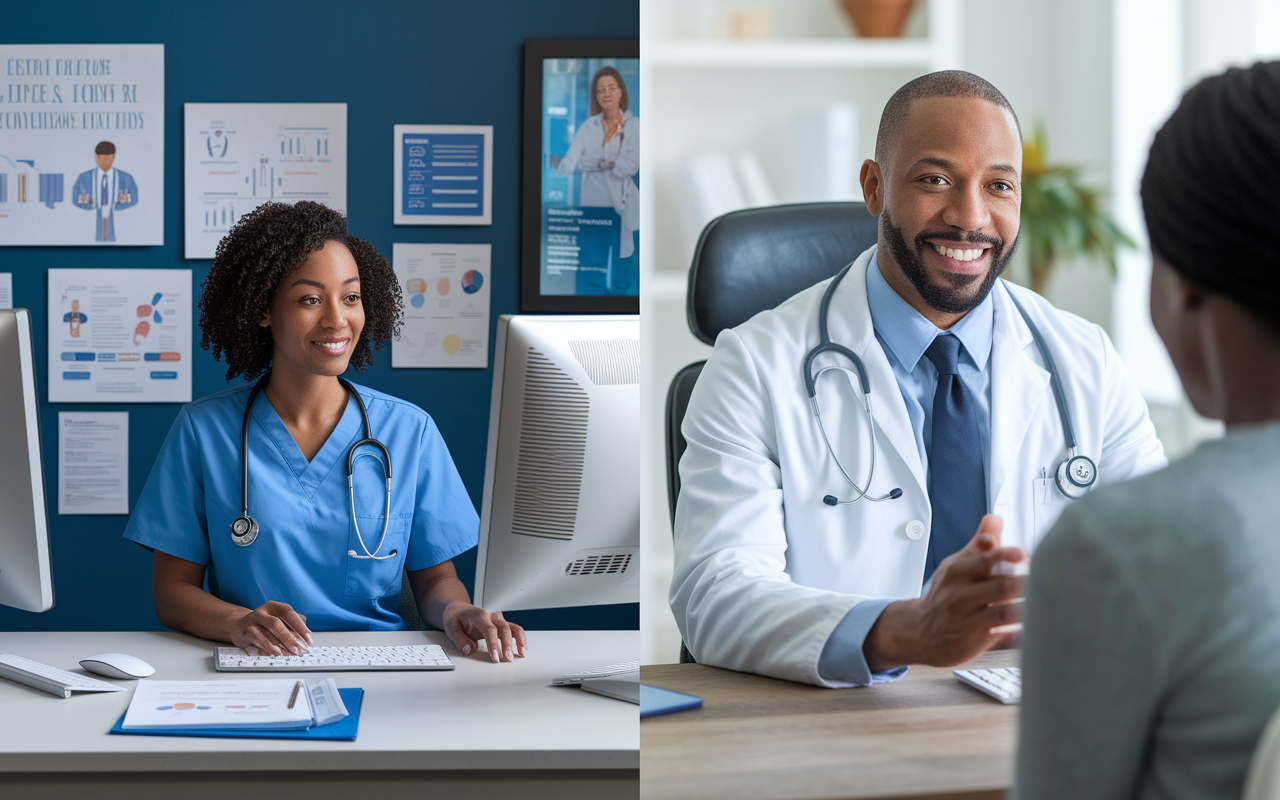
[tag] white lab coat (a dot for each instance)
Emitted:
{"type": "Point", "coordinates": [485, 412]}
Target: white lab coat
{"type": "Point", "coordinates": [764, 570]}
{"type": "Point", "coordinates": [613, 186]}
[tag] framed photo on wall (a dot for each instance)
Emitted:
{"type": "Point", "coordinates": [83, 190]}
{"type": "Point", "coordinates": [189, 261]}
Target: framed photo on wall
{"type": "Point", "coordinates": [580, 217]}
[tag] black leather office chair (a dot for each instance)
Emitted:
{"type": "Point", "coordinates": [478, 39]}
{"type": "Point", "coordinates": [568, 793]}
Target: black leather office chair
{"type": "Point", "coordinates": [746, 262]}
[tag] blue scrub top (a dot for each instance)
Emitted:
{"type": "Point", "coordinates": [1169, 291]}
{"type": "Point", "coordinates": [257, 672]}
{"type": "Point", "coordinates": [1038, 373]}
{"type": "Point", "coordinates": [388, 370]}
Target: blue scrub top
{"type": "Point", "coordinates": [303, 512]}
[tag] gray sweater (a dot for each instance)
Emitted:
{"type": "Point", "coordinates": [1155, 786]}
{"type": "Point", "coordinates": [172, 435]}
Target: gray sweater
{"type": "Point", "coordinates": [1151, 654]}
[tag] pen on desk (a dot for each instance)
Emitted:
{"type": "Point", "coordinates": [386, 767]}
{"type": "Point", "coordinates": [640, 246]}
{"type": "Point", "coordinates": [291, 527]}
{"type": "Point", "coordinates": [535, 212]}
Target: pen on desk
{"type": "Point", "coordinates": [293, 698]}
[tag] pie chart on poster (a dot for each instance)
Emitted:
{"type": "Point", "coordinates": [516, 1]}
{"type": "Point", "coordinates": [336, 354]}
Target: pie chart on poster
{"type": "Point", "coordinates": [472, 280]}
{"type": "Point", "coordinates": [451, 344]}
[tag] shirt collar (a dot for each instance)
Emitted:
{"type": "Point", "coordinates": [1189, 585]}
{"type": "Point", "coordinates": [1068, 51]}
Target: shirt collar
{"type": "Point", "coordinates": [908, 334]}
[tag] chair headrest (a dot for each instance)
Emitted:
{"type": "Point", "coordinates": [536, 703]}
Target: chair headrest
{"type": "Point", "coordinates": [751, 260]}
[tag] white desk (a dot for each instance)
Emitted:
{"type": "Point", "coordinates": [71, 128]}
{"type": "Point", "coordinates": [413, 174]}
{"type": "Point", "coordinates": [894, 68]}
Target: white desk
{"type": "Point", "coordinates": [480, 727]}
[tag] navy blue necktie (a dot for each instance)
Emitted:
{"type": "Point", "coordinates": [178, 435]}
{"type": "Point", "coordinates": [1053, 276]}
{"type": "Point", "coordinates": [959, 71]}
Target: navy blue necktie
{"type": "Point", "coordinates": [106, 201]}
{"type": "Point", "coordinates": [957, 483]}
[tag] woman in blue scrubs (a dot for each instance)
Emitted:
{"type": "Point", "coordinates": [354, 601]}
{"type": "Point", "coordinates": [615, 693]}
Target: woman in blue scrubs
{"type": "Point", "coordinates": [291, 301]}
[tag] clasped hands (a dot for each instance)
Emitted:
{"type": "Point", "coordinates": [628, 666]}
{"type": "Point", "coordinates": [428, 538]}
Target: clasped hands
{"type": "Point", "coordinates": [275, 628]}
{"type": "Point", "coordinates": [970, 599]}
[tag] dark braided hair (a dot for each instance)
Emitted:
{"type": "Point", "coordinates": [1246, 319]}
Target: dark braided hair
{"type": "Point", "coordinates": [251, 263]}
{"type": "Point", "coordinates": [1209, 189]}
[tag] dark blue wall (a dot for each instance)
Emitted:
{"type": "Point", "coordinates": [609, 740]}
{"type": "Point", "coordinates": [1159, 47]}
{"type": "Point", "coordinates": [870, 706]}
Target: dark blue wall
{"type": "Point", "coordinates": [390, 61]}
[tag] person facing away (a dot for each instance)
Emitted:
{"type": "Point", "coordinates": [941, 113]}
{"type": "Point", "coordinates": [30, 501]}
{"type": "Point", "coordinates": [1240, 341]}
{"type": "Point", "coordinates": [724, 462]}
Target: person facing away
{"type": "Point", "coordinates": [1158, 681]}
{"type": "Point", "coordinates": [771, 579]}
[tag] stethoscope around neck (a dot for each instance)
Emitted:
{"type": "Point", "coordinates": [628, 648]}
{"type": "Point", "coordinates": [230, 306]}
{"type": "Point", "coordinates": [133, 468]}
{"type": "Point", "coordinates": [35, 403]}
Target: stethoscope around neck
{"type": "Point", "coordinates": [1075, 475]}
{"type": "Point", "coordinates": [244, 531]}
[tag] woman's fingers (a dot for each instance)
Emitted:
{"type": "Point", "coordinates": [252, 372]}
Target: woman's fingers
{"type": "Point", "coordinates": [518, 633]}
{"type": "Point", "coordinates": [492, 639]}
{"type": "Point", "coordinates": [504, 635]}
{"type": "Point", "coordinates": [457, 633]}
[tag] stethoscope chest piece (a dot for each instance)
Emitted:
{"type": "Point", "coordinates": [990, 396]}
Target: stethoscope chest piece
{"type": "Point", "coordinates": [244, 531]}
{"type": "Point", "coordinates": [1076, 476]}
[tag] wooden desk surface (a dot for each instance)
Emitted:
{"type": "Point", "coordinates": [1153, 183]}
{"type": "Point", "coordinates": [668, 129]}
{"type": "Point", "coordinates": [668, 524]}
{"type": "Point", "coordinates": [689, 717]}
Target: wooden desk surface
{"type": "Point", "coordinates": [926, 735]}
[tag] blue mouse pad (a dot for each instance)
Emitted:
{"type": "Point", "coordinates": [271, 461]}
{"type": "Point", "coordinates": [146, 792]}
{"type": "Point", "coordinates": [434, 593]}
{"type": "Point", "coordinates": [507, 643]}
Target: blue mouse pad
{"type": "Point", "coordinates": [655, 701]}
{"type": "Point", "coordinates": [344, 729]}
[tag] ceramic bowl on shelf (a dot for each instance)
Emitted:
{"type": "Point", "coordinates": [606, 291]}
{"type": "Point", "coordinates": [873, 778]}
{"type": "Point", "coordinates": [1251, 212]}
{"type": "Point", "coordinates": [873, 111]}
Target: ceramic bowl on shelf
{"type": "Point", "coordinates": [877, 18]}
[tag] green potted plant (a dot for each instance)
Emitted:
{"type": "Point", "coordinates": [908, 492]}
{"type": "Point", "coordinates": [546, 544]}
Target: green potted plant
{"type": "Point", "coordinates": [1062, 218]}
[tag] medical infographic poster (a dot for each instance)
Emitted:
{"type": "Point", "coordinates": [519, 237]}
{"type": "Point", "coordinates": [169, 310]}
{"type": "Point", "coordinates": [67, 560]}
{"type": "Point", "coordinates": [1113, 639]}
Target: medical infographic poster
{"type": "Point", "coordinates": [120, 335]}
{"type": "Point", "coordinates": [237, 156]}
{"type": "Point", "coordinates": [590, 201]}
{"type": "Point", "coordinates": [443, 175]}
{"type": "Point", "coordinates": [93, 462]}
{"type": "Point", "coordinates": [446, 309]}
{"type": "Point", "coordinates": [6, 290]}
{"type": "Point", "coordinates": [82, 144]}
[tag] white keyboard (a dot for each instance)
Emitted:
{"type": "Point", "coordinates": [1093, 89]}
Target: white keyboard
{"type": "Point", "coordinates": [607, 671]}
{"type": "Point", "coordinates": [49, 679]}
{"type": "Point", "coordinates": [336, 659]}
{"type": "Point", "coordinates": [1004, 684]}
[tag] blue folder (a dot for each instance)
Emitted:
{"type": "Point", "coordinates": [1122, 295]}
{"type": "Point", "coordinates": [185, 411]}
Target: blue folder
{"type": "Point", "coordinates": [655, 701]}
{"type": "Point", "coordinates": [344, 729]}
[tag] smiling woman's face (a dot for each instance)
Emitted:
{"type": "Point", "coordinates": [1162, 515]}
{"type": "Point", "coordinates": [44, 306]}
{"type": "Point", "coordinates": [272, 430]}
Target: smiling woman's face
{"type": "Point", "coordinates": [316, 316]}
{"type": "Point", "coordinates": [608, 93]}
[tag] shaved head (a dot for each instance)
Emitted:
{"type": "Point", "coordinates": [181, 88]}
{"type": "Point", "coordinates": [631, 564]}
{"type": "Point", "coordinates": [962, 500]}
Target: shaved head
{"type": "Point", "coordinates": [948, 83]}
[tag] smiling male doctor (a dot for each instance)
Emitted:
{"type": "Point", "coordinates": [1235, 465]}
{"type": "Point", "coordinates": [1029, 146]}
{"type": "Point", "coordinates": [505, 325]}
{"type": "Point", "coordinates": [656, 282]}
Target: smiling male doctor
{"type": "Point", "coordinates": [769, 578]}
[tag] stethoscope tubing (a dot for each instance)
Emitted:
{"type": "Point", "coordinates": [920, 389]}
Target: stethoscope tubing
{"type": "Point", "coordinates": [251, 528]}
{"type": "Point", "coordinates": [1068, 484]}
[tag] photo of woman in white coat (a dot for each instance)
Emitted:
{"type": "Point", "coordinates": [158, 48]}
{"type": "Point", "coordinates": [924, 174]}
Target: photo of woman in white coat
{"type": "Point", "coordinates": [606, 152]}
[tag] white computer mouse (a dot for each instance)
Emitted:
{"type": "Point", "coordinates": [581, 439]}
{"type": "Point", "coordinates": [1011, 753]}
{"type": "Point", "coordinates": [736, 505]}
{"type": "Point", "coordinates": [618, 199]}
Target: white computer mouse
{"type": "Point", "coordinates": [118, 665]}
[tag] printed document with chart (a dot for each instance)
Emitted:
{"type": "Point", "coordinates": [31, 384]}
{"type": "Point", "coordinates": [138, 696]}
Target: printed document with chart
{"type": "Point", "coordinates": [271, 704]}
{"type": "Point", "coordinates": [446, 309]}
{"type": "Point", "coordinates": [237, 156]}
{"type": "Point", "coordinates": [120, 335]}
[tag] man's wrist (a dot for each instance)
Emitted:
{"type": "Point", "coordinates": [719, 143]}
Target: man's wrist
{"type": "Point", "coordinates": [889, 642]}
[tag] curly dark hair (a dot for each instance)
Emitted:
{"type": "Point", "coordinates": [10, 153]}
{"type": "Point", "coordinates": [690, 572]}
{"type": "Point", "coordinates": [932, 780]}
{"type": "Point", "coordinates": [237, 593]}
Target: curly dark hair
{"type": "Point", "coordinates": [251, 263]}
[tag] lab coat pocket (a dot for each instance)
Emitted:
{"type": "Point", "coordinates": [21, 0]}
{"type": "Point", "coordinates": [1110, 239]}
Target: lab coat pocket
{"type": "Point", "coordinates": [1047, 505]}
{"type": "Point", "coordinates": [376, 577]}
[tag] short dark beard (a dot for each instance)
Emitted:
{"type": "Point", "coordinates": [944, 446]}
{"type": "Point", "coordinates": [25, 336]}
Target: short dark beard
{"type": "Point", "coordinates": [949, 298]}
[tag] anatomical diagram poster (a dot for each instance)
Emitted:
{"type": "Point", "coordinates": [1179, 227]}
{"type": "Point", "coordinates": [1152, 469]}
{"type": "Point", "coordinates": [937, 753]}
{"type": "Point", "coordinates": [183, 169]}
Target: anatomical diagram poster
{"type": "Point", "coordinates": [120, 335]}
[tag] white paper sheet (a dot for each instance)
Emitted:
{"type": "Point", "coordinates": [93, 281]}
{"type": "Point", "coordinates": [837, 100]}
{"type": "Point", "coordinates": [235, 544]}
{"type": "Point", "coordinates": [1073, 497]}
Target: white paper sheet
{"type": "Point", "coordinates": [258, 704]}
{"type": "Point", "coordinates": [6, 290]}
{"type": "Point", "coordinates": [237, 156]}
{"type": "Point", "coordinates": [120, 335]}
{"type": "Point", "coordinates": [61, 105]}
{"type": "Point", "coordinates": [93, 462]}
{"type": "Point", "coordinates": [446, 305]}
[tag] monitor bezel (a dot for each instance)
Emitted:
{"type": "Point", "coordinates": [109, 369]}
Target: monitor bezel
{"type": "Point", "coordinates": [532, 301]}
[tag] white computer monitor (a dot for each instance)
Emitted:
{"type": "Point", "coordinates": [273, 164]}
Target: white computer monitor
{"type": "Point", "coordinates": [560, 519]}
{"type": "Point", "coordinates": [26, 579]}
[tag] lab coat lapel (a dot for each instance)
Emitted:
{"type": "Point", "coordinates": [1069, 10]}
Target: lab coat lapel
{"type": "Point", "coordinates": [849, 323]}
{"type": "Point", "coordinates": [1018, 386]}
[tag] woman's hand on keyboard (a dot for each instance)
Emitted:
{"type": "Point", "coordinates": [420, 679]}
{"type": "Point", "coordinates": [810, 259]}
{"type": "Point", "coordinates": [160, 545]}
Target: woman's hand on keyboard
{"type": "Point", "coordinates": [273, 629]}
{"type": "Point", "coordinates": [467, 625]}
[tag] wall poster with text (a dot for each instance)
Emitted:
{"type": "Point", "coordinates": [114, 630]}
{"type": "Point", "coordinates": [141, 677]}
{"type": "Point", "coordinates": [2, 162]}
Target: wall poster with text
{"type": "Point", "coordinates": [82, 144]}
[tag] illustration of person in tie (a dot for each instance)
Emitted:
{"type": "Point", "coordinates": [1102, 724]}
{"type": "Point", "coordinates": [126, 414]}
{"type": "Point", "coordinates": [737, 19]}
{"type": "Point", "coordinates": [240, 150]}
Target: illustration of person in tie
{"type": "Point", "coordinates": [107, 190]}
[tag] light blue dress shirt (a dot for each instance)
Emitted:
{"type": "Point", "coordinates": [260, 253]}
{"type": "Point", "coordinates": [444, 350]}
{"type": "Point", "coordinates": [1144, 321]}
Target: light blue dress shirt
{"type": "Point", "coordinates": [904, 334]}
{"type": "Point", "coordinates": [301, 556]}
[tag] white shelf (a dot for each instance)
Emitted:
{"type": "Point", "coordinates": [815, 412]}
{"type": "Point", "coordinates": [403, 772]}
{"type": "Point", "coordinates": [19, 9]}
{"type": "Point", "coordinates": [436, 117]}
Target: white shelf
{"type": "Point", "coordinates": [904, 53]}
{"type": "Point", "coordinates": [665, 286]}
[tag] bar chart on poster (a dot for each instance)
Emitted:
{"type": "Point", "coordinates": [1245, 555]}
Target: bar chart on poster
{"type": "Point", "coordinates": [237, 156]}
